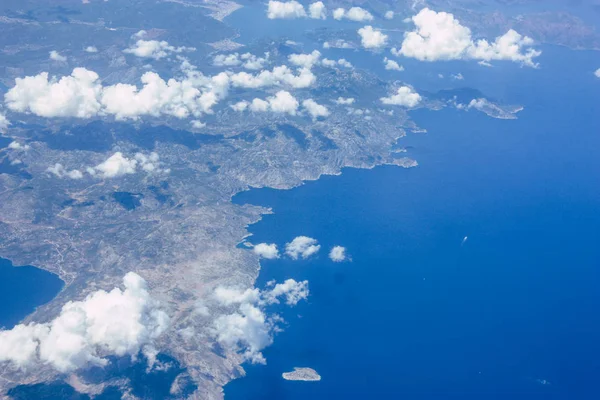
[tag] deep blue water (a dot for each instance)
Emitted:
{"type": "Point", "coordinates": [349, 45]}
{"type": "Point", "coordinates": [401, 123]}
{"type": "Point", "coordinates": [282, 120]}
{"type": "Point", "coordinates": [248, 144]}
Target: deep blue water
{"type": "Point", "coordinates": [512, 313]}
{"type": "Point", "coordinates": [22, 289]}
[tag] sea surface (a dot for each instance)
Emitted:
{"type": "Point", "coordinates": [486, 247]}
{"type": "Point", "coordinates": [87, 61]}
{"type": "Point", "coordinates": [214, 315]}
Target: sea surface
{"type": "Point", "coordinates": [475, 275]}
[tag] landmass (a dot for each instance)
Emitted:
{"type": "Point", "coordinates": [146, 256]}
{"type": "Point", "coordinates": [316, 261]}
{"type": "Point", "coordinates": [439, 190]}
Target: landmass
{"type": "Point", "coordinates": [302, 374]}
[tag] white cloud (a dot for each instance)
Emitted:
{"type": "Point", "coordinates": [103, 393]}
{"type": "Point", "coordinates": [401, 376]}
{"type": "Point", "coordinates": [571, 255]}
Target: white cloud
{"type": "Point", "coordinates": [338, 44]}
{"type": "Point", "coordinates": [249, 330]}
{"type": "Point", "coordinates": [76, 95]}
{"type": "Point", "coordinates": [439, 36]}
{"type": "Point", "coordinates": [292, 290]}
{"type": "Point", "coordinates": [317, 10]}
{"type": "Point", "coordinates": [337, 254]}
{"type": "Point", "coordinates": [56, 56]}
{"type": "Point", "coordinates": [344, 100]}
{"type": "Point", "coordinates": [246, 60]}
{"type": "Point", "coordinates": [4, 123]}
{"type": "Point", "coordinates": [283, 102]}
{"type": "Point", "coordinates": [118, 165]}
{"type": "Point", "coordinates": [227, 60]}
{"type": "Point", "coordinates": [91, 49]}
{"type": "Point", "coordinates": [342, 62]}
{"type": "Point", "coordinates": [119, 322]}
{"type": "Point", "coordinates": [458, 77]}
{"type": "Point", "coordinates": [372, 38]}
{"type": "Point", "coordinates": [389, 15]}
{"type": "Point", "coordinates": [254, 62]}
{"type": "Point", "coordinates": [60, 171]}
{"type": "Point", "coordinates": [405, 96]}
{"type": "Point", "coordinates": [18, 146]}
{"type": "Point", "coordinates": [597, 73]}
{"type": "Point", "coordinates": [302, 246]}
{"type": "Point", "coordinates": [392, 65]}
{"type": "Point", "coordinates": [305, 60]}
{"type": "Point", "coordinates": [314, 109]}
{"type": "Point", "coordinates": [282, 9]}
{"type": "Point", "coordinates": [155, 49]}
{"type": "Point", "coordinates": [228, 296]}
{"type": "Point", "coordinates": [240, 106]}
{"type": "Point", "coordinates": [354, 14]}
{"type": "Point", "coordinates": [268, 251]}
{"type": "Point", "coordinates": [280, 75]}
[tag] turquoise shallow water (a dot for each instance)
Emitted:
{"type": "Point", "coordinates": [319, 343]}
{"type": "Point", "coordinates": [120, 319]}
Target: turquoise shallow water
{"type": "Point", "coordinates": [512, 313]}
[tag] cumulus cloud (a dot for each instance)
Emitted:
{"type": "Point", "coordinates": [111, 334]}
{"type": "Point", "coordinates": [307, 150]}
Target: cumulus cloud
{"type": "Point", "coordinates": [372, 38]}
{"type": "Point", "coordinates": [305, 60]}
{"type": "Point", "coordinates": [18, 146]}
{"type": "Point", "coordinates": [246, 60]}
{"type": "Point", "coordinates": [344, 100]}
{"type": "Point", "coordinates": [227, 60]}
{"type": "Point", "coordinates": [56, 56]}
{"type": "Point", "coordinates": [82, 95]}
{"type": "Point", "coordinates": [439, 36]}
{"type": "Point", "coordinates": [283, 9]}
{"type": "Point", "coordinates": [314, 109]}
{"type": "Point", "coordinates": [278, 76]}
{"type": "Point", "coordinates": [458, 77]}
{"type": "Point", "coordinates": [302, 246]}
{"type": "Point", "coordinates": [354, 14]}
{"type": "Point", "coordinates": [60, 171]}
{"type": "Point", "coordinates": [250, 61]}
{"type": "Point", "coordinates": [597, 73]}
{"type": "Point", "coordinates": [404, 96]}
{"type": "Point", "coordinates": [76, 95]}
{"type": "Point", "coordinates": [292, 291]}
{"type": "Point", "coordinates": [389, 15]}
{"type": "Point", "coordinates": [337, 254]}
{"type": "Point", "coordinates": [317, 10]}
{"type": "Point", "coordinates": [118, 165]}
{"type": "Point", "coordinates": [268, 251]}
{"type": "Point", "coordinates": [250, 329]}
{"type": "Point", "coordinates": [119, 323]}
{"type": "Point", "coordinates": [342, 62]}
{"type": "Point", "coordinates": [91, 49]}
{"type": "Point", "coordinates": [155, 49]}
{"type": "Point", "coordinates": [392, 65]}
{"type": "Point", "coordinates": [282, 102]}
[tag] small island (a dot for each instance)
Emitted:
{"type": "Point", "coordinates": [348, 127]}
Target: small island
{"type": "Point", "coordinates": [302, 374]}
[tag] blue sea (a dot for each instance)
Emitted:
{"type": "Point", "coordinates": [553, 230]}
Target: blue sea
{"type": "Point", "coordinates": [511, 313]}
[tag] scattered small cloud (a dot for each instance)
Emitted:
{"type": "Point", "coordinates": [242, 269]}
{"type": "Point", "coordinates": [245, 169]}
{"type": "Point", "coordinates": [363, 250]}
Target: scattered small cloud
{"type": "Point", "coordinates": [268, 251]}
{"type": "Point", "coordinates": [597, 73]}
{"type": "Point", "coordinates": [302, 246]}
{"type": "Point", "coordinates": [317, 10]}
{"type": "Point", "coordinates": [155, 49]}
{"type": "Point", "coordinates": [404, 96]}
{"type": "Point", "coordinates": [337, 254]}
{"type": "Point", "coordinates": [389, 15]}
{"type": "Point", "coordinates": [314, 109]}
{"type": "Point", "coordinates": [357, 14]}
{"type": "Point", "coordinates": [56, 56]}
{"type": "Point", "coordinates": [392, 65]}
{"type": "Point", "coordinates": [18, 146]}
{"type": "Point", "coordinates": [344, 100]}
{"type": "Point", "coordinates": [372, 38]}
{"type": "Point", "coordinates": [91, 49]}
{"type": "Point", "coordinates": [60, 171]}
{"type": "Point", "coordinates": [458, 77]}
